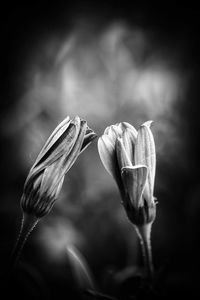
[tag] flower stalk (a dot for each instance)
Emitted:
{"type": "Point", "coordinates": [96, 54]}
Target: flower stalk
{"type": "Point", "coordinates": [28, 223]}
{"type": "Point", "coordinates": [144, 234]}
{"type": "Point", "coordinates": [129, 156]}
{"type": "Point", "coordinates": [45, 179]}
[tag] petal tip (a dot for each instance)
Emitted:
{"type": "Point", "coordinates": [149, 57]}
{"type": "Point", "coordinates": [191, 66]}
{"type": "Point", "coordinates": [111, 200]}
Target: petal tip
{"type": "Point", "coordinates": [107, 129]}
{"type": "Point", "coordinates": [76, 119]}
{"type": "Point", "coordinates": [66, 119]}
{"type": "Point", "coordinates": [148, 123]}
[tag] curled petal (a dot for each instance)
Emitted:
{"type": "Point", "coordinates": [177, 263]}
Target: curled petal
{"type": "Point", "coordinates": [90, 135]}
{"type": "Point", "coordinates": [134, 180]}
{"type": "Point", "coordinates": [107, 154]}
{"type": "Point", "coordinates": [108, 157]}
{"type": "Point", "coordinates": [145, 154]}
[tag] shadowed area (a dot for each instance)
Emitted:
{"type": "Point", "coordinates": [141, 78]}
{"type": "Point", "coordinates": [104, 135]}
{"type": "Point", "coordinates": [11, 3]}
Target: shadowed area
{"type": "Point", "coordinates": [107, 64]}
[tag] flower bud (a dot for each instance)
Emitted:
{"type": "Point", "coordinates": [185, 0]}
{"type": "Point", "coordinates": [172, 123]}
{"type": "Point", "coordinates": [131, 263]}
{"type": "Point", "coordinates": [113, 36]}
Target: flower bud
{"type": "Point", "coordinates": [59, 153]}
{"type": "Point", "coordinates": [129, 156]}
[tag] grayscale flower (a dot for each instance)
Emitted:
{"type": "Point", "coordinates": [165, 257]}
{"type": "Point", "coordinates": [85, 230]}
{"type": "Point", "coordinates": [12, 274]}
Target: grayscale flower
{"type": "Point", "coordinates": [59, 153]}
{"type": "Point", "coordinates": [45, 179]}
{"type": "Point", "coordinates": [129, 156]}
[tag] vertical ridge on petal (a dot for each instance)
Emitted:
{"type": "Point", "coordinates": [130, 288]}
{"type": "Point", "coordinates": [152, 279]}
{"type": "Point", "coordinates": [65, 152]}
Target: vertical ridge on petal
{"type": "Point", "coordinates": [75, 151]}
{"type": "Point", "coordinates": [50, 178]}
{"type": "Point", "coordinates": [129, 156]}
{"type": "Point", "coordinates": [107, 154]}
{"type": "Point", "coordinates": [55, 135]}
{"type": "Point", "coordinates": [61, 147]}
{"type": "Point", "coordinates": [145, 154]}
{"type": "Point", "coordinates": [134, 180]}
{"type": "Point", "coordinates": [129, 139]}
{"type": "Point", "coordinates": [127, 125]}
{"type": "Point", "coordinates": [122, 156]}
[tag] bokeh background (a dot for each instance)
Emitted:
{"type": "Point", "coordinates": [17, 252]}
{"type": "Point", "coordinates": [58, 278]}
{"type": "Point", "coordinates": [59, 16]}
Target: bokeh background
{"type": "Point", "coordinates": [106, 62]}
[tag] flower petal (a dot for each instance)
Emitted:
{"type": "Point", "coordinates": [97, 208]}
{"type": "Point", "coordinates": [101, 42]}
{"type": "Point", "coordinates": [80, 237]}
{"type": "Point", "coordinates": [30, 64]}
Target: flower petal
{"type": "Point", "coordinates": [145, 154]}
{"type": "Point", "coordinates": [55, 170]}
{"type": "Point", "coordinates": [56, 134]}
{"type": "Point", "coordinates": [90, 135]}
{"type": "Point", "coordinates": [129, 140]}
{"type": "Point", "coordinates": [51, 178]}
{"type": "Point", "coordinates": [126, 125]}
{"type": "Point", "coordinates": [112, 132]}
{"type": "Point", "coordinates": [62, 146]}
{"type": "Point", "coordinates": [70, 159]}
{"type": "Point", "coordinates": [122, 156]}
{"type": "Point", "coordinates": [134, 180]}
{"type": "Point", "coordinates": [54, 173]}
{"type": "Point", "coordinates": [108, 155]}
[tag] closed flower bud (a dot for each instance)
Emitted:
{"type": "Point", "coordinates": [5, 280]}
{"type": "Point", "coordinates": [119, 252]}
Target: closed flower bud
{"type": "Point", "coordinates": [46, 176]}
{"type": "Point", "coordinates": [129, 156]}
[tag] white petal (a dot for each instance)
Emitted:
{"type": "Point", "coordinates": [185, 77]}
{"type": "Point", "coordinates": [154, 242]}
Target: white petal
{"type": "Point", "coordinates": [147, 123]}
{"type": "Point", "coordinates": [108, 155]}
{"type": "Point", "coordinates": [129, 140]}
{"type": "Point", "coordinates": [145, 154]}
{"type": "Point", "coordinates": [122, 156]}
{"type": "Point", "coordinates": [126, 125]}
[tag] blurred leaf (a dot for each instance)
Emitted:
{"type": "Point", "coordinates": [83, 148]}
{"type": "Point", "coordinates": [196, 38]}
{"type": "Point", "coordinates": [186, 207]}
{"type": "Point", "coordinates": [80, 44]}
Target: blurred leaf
{"type": "Point", "coordinates": [80, 269]}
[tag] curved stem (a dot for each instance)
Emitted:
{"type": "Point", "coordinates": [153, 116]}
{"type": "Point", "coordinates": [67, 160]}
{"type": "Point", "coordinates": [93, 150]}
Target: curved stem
{"type": "Point", "coordinates": [27, 225]}
{"type": "Point", "coordinates": [144, 233]}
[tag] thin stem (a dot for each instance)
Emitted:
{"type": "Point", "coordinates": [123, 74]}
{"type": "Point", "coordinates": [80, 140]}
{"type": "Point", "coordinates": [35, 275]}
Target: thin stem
{"type": "Point", "coordinates": [27, 225]}
{"type": "Point", "coordinates": [144, 233]}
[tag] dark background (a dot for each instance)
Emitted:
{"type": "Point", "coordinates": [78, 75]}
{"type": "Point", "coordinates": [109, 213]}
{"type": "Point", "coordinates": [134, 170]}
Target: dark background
{"type": "Point", "coordinates": [101, 224]}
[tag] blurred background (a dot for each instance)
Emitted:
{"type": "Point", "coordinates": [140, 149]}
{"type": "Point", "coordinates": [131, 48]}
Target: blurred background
{"type": "Point", "coordinates": [107, 63]}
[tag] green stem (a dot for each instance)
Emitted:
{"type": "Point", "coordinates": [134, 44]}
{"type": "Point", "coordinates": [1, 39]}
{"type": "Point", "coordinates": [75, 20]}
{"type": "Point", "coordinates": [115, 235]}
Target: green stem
{"type": "Point", "coordinates": [144, 233]}
{"type": "Point", "coordinates": [27, 225]}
